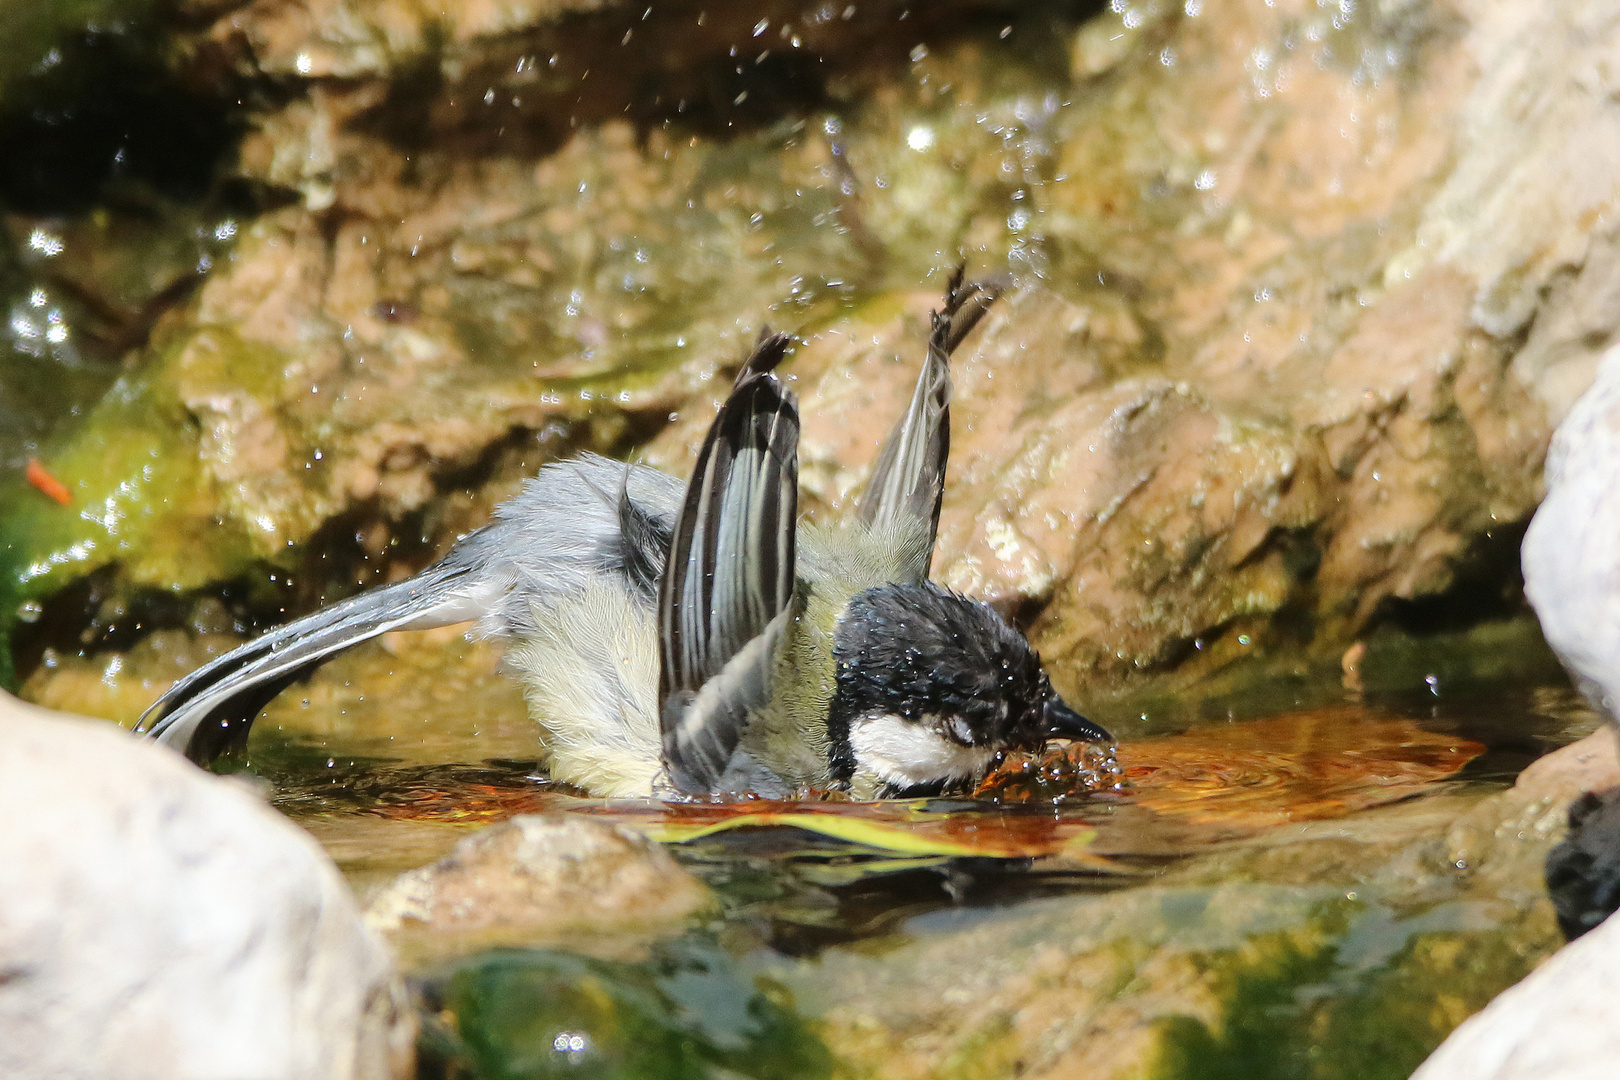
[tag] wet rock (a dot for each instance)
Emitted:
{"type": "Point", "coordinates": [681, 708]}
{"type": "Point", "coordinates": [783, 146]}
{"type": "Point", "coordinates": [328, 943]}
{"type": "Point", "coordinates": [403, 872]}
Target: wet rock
{"type": "Point", "coordinates": [1296, 953]}
{"type": "Point", "coordinates": [1146, 513]}
{"type": "Point", "coordinates": [1553, 800]}
{"type": "Point", "coordinates": [539, 879]}
{"type": "Point", "coordinates": [108, 207]}
{"type": "Point", "coordinates": [1533, 814]}
{"type": "Point", "coordinates": [1583, 872]}
{"type": "Point", "coordinates": [160, 922]}
{"type": "Point", "coordinates": [684, 1010]}
{"type": "Point", "coordinates": [1557, 1024]}
{"type": "Point", "coordinates": [540, 68]}
{"type": "Point", "coordinates": [1348, 947]}
{"type": "Point", "coordinates": [1301, 291]}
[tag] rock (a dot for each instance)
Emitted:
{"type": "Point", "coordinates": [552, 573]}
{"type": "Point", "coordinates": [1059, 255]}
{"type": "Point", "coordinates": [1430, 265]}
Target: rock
{"type": "Point", "coordinates": [1583, 765]}
{"type": "Point", "coordinates": [1572, 578]}
{"type": "Point", "coordinates": [1553, 1023]}
{"type": "Point", "coordinates": [540, 879]}
{"type": "Point", "coordinates": [1535, 810]}
{"type": "Point", "coordinates": [683, 1010]}
{"type": "Point", "coordinates": [1290, 335]}
{"type": "Point", "coordinates": [159, 922]}
{"type": "Point", "coordinates": [1332, 949]}
{"type": "Point", "coordinates": [1583, 872]}
{"type": "Point", "coordinates": [1571, 562]}
{"type": "Point", "coordinates": [1557, 1024]}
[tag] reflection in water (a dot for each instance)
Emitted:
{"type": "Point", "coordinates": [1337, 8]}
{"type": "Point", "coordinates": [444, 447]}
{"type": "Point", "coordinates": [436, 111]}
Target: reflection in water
{"type": "Point", "coordinates": [804, 875]}
{"type": "Point", "coordinates": [1296, 767]}
{"type": "Point", "coordinates": [1234, 779]}
{"type": "Point", "coordinates": [791, 887]}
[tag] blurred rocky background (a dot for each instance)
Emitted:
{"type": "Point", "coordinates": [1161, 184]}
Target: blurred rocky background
{"type": "Point", "coordinates": [297, 290]}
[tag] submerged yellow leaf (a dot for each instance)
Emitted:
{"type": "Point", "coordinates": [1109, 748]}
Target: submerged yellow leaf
{"type": "Point", "coordinates": [932, 835]}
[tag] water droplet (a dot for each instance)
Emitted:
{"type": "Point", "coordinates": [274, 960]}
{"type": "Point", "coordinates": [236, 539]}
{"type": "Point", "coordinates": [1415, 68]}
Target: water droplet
{"type": "Point", "coordinates": [46, 243]}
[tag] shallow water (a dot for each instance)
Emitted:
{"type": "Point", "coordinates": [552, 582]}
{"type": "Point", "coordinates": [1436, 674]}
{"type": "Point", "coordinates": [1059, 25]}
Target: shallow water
{"type": "Point", "coordinates": [1282, 832]}
{"type": "Point", "coordinates": [437, 745]}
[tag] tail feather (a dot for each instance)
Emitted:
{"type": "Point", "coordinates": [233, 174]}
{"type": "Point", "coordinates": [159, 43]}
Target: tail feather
{"type": "Point", "coordinates": [577, 520]}
{"type": "Point", "coordinates": [210, 711]}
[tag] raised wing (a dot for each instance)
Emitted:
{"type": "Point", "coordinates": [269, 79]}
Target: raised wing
{"type": "Point", "coordinates": [908, 480]}
{"type": "Point", "coordinates": [727, 586]}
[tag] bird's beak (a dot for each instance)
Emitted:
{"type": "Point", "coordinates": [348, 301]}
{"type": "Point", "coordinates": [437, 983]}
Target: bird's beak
{"type": "Point", "coordinates": [1063, 722]}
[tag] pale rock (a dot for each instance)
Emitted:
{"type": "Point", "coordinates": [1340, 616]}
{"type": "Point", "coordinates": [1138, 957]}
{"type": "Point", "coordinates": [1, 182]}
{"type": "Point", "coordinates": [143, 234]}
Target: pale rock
{"type": "Point", "coordinates": [539, 879]}
{"type": "Point", "coordinates": [158, 922]}
{"type": "Point", "coordinates": [1571, 556]}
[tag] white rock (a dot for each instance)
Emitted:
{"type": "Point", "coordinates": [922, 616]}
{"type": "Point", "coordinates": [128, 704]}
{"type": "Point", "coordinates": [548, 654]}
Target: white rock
{"type": "Point", "coordinates": [159, 922]}
{"type": "Point", "coordinates": [1558, 1023]}
{"type": "Point", "coordinates": [1571, 553]}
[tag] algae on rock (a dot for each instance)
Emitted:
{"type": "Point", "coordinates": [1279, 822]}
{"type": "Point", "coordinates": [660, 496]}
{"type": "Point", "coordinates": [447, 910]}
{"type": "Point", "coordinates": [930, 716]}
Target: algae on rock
{"type": "Point", "coordinates": [1242, 398]}
{"type": "Point", "coordinates": [1349, 948]}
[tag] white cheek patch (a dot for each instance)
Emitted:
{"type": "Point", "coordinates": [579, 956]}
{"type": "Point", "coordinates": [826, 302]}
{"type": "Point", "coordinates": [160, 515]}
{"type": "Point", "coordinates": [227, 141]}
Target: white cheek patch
{"type": "Point", "coordinates": [905, 754]}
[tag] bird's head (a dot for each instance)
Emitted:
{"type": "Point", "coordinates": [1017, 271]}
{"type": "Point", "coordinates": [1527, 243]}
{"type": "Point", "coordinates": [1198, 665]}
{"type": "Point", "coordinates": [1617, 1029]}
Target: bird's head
{"type": "Point", "coordinates": [931, 686]}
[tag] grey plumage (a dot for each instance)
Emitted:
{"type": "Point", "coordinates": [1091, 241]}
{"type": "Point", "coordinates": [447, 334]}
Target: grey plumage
{"type": "Point", "coordinates": [545, 545]}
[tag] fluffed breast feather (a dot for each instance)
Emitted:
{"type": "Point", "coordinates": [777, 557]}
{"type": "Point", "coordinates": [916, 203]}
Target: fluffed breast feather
{"type": "Point", "coordinates": [589, 666]}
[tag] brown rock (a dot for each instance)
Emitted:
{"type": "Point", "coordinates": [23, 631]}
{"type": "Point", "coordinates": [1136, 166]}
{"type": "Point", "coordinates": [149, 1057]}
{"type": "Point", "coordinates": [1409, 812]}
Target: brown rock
{"type": "Point", "coordinates": [536, 879]}
{"type": "Point", "coordinates": [1301, 290]}
{"type": "Point", "coordinates": [1139, 513]}
{"type": "Point", "coordinates": [1510, 833]}
{"type": "Point", "coordinates": [1294, 405]}
{"type": "Point", "coordinates": [1591, 764]}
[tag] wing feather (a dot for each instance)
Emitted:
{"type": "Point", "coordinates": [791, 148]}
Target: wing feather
{"type": "Point", "coordinates": [908, 480]}
{"type": "Point", "coordinates": [730, 573]}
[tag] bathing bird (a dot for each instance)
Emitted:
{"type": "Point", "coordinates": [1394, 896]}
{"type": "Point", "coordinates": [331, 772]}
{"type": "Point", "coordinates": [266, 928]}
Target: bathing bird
{"type": "Point", "coordinates": [698, 641]}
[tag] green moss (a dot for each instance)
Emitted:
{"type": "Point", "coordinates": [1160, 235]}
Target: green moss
{"type": "Point", "coordinates": [1261, 986]}
{"type": "Point", "coordinates": [139, 498]}
{"type": "Point", "coordinates": [1401, 1011]}
{"type": "Point", "coordinates": [1298, 1006]}
{"type": "Point", "coordinates": [990, 1050]}
{"type": "Point", "coordinates": [686, 1014]}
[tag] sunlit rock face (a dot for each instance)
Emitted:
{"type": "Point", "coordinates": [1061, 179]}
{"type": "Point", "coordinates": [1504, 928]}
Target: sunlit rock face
{"type": "Point", "coordinates": [158, 922]}
{"type": "Point", "coordinates": [1299, 290]}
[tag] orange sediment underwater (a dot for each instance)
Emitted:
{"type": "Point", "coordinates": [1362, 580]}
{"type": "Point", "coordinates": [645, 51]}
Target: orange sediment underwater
{"type": "Point", "coordinates": [1165, 794]}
